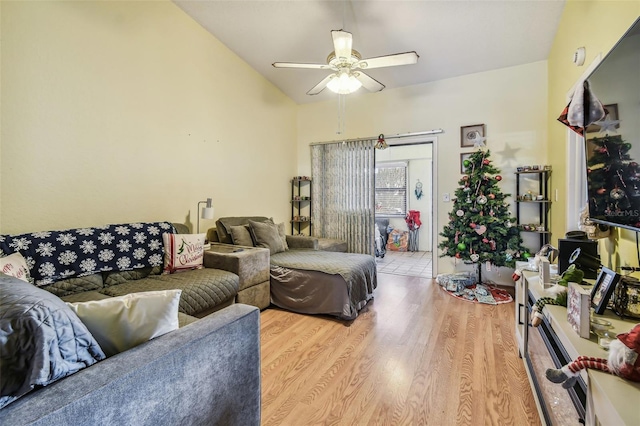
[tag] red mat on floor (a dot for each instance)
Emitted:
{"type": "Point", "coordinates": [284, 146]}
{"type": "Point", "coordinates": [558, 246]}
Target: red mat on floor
{"type": "Point", "coordinates": [498, 296]}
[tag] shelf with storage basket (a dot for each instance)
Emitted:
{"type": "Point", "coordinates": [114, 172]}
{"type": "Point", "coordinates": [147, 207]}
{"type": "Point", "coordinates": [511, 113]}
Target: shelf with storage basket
{"type": "Point", "coordinates": [301, 205]}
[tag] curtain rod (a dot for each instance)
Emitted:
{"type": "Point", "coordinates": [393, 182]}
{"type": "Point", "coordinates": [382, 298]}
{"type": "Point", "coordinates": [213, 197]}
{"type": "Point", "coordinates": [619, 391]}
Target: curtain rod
{"type": "Point", "coordinates": [397, 136]}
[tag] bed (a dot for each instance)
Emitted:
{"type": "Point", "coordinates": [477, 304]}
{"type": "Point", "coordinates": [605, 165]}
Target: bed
{"type": "Point", "coordinates": [318, 282]}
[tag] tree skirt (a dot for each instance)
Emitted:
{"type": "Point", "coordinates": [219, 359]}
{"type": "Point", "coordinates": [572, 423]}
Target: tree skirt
{"type": "Point", "coordinates": [483, 293]}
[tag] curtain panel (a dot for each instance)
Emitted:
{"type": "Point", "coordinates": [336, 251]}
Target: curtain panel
{"type": "Point", "coordinates": [343, 193]}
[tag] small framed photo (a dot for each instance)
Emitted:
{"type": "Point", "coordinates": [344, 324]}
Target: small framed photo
{"type": "Point", "coordinates": [470, 134]}
{"type": "Point", "coordinates": [464, 157]}
{"type": "Point", "coordinates": [603, 289]}
{"type": "Point", "coordinates": [611, 111]}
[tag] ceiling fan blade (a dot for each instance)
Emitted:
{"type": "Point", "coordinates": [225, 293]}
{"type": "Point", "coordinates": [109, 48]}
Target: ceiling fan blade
{"type": "Point", "coordinates": [342, 43]}
{"type": "Point", "coordinates": [368, 83]}
{"type": "Point", "coordinates": [407, 58]}
{"type": "Point", "coordinates": [320, 86]}
{"type": "Point", "coordinates": [296, 65]}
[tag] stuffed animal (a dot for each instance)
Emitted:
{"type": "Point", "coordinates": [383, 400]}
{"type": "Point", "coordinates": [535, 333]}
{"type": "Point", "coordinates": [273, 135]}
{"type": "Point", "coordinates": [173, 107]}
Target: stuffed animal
{"type": "Point", "coordinates": [572, 274]}
{"type": "Point", "coordinates": [623, 361]}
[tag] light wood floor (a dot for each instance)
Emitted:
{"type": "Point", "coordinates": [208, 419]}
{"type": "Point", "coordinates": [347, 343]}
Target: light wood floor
{"type": "Point", "coordinates": [414, 356]}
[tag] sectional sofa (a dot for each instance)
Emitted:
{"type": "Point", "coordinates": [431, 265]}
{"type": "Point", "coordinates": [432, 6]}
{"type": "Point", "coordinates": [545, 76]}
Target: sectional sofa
{"type": "Point", "coordinates": [205, 372]}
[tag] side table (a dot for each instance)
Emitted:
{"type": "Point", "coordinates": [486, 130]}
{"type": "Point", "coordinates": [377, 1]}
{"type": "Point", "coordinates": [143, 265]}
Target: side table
{"type": "Point", "coordinates": [251, 264]}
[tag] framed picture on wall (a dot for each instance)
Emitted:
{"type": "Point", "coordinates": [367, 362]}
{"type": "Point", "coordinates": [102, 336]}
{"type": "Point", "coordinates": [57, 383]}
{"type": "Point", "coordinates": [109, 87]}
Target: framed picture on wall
{"type": "Point", "coordinates": [612, 114]}
{"type": "Point", "coordinates": [464, 157]}
{"type": "Point", "coordinates": [469, 135]}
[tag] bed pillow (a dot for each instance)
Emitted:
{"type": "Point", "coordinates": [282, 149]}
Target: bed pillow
{"type": "Point", "coordinates": [15, 265]}
{"type": "Point", "coordinates": [241, 236]}
{"type": "Point", "coordinates": [183, 252]}
{"type": "Point", "coordinates": [41, 339]}
{"type": "Point", "coordinates": [266, 235]}
{"type": "Point", "coordinates": [123, 322]}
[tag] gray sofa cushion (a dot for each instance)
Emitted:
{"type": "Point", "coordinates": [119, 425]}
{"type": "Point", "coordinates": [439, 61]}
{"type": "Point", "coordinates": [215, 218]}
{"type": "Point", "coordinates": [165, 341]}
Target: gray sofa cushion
{"type": "Point", "coordinates": [266, 235]}
{"type": "Point", "coordinates": [75, 285]}
{"type": "Point", "coordinates": [224, 224]}
{"type": "Point", "coordinates": [41, 339]}
{"type": "Point", "coordinates": [241, 235]}
{"type": "Point", "coordinates": [121, 277]}
{"type": "Point", "coordinates": [202, 289]}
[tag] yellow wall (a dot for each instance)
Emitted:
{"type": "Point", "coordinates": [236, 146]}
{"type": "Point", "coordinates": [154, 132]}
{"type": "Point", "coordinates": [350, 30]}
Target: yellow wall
{"type": "Point", "coordinates": [130, 111]}
{"type": "Point", "coordinates": [596, 25]}
{"type": "Point", "coordinates": [512, 102]}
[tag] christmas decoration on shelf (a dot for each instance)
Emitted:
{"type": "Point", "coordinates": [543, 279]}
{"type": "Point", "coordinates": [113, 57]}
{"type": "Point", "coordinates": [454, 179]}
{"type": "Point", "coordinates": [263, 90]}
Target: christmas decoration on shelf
{"type": "Point", "coordinates": [481, 226]}
{"type": "Point", "coordinates": [614, 180]}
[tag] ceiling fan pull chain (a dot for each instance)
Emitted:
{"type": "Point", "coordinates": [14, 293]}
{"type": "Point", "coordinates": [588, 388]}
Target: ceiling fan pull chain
{"type": "Point", "coordinates": [342, 111]}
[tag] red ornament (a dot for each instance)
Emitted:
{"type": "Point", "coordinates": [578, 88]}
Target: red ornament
{"type": "Point", "coordinates": [588, 170]}
{"type": "Point", "coordinates": [498, 177]}
{"type": "Point", "coordinates": [485, 162]}
{"type": "Point", "coordinates": [492, 196]}
{"type": "Point", "coordinates": [458, 255]}
{"type": "Point", "coordinates": [601, 191]}
{"type": "Point", "coordinates": [472, 225]}
{"type": "Point", "coordinates": [485, 240]}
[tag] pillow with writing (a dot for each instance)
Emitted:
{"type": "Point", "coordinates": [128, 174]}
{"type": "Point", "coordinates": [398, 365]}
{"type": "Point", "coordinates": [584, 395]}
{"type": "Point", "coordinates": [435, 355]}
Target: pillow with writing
{"type": "Point", "coordinates": [183, 252]}
{"type": "Point", "coordinates": [15, 265]}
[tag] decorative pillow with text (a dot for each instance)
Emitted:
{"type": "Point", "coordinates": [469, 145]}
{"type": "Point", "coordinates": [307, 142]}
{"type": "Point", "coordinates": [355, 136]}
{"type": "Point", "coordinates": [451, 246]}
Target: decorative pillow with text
{"type": "Point", "coordinates": [15, 265]}
{"type": "Point", "coordinates": [183, 252]}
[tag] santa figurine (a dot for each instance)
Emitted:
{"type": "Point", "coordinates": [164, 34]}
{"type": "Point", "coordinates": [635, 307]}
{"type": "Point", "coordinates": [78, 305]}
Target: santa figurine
{"type": "Point", "coordinates": [623, 361]}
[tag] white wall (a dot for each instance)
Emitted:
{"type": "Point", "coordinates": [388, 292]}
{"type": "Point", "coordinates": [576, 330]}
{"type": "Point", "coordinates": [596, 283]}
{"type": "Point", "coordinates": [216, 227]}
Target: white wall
{"type": "Point", "coordinates": [512, 102]}
{"type": "Point", "coordinates": [130, 111]}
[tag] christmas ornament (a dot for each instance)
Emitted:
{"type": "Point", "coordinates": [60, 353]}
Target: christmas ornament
{"type": "Point", "coordinates": [508, 224]}
{"type": "Point", "coordinates": [458, 255]}
{"type": "Point", "coordinates": [485, 240]}
{"type": "Point", "coordinates": [508, 257]}
{"type": "Point", "coordinates": [468, 200]}
{"type": "Point", "coordinates": [462, 246]}
{"type": "Point", "coordinates": [627, 146]}
{"type": "Point", "coordinates": [601, 191]}
{"type": "Point", "coordinates": [466, 189]}
{"type": "Point", "coordinates": [485, 162]}
{"type": "Point", "coordinates": [526, 255]}
{"type": "Point", "coordinates": [475, 257]}
{"type": "Point", "coordinates": [466, 163]}
{"type": "Point", "coordinates": [482, 199]}
{"type": "Point", "coordinates": [608, 125]}
{"type": "Point", "coordinates": [492, 196]}
{"type": "Point", "coordinates": [480, 229]}
{"type": "Point", "coordinates": [472, 225]}
{"type": "Point", "coordinates": [460, 213]}
{"type": "Point", "coordinates": [498, 178]}
{"type": "Point", "coordinates": [465, 177]}
{"type": "Point", "coordinates": [617, 194]}
{"type": "Point", "coordinates": [492, 243]}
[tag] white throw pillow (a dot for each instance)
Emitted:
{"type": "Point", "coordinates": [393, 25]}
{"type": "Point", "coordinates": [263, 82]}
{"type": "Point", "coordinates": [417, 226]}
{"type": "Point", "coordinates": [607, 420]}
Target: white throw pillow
{"type": "Point", "coordinates": [15, 265]}
{"type": "Point", "coordinates": [120, 323]}
{"type": "Point", "coordinates": [183, 252]}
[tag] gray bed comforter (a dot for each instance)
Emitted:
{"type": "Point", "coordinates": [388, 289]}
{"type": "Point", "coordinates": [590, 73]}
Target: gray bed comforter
{"type": "Point", "coordinates": [318, 282]}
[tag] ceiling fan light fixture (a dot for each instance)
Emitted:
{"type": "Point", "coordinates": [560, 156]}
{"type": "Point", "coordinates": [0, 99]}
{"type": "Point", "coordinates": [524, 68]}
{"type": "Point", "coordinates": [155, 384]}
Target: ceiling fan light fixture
{"type": "Point", "coordinates": [344, 83]}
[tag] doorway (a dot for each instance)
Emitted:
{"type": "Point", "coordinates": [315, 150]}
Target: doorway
{"type": "Point", "coordinates": [404, 182]}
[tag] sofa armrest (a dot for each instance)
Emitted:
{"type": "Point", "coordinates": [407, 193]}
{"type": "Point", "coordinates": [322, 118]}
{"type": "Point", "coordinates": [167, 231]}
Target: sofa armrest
{"type": "Point", "coordinates": [207, 372]}
{"type": "Point", "coordinates": [300, 242]}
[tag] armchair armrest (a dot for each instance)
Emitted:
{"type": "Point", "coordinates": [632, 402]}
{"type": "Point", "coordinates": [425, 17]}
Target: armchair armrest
{"type": "Point", "coordinates": [300, 241]}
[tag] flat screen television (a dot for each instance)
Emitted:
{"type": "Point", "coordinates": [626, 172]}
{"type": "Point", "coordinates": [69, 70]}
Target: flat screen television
{"type": "Point", "coordinates": [613, 144]}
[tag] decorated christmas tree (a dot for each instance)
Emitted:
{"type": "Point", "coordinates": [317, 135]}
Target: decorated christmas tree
{"type": "Point", "coordinates": [481, 228]}
{"type": "Point", "coordinates": [614, 180]}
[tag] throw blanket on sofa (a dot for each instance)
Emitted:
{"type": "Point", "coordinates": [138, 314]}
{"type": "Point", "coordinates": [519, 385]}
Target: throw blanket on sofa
{"type": "Point", "coordinates": [56, 255]}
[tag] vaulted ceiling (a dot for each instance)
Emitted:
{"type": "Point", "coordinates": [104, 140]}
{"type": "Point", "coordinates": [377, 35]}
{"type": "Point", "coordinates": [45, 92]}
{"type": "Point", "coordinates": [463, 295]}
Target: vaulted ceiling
{"type": "Point", "coordinates": [453, 38]}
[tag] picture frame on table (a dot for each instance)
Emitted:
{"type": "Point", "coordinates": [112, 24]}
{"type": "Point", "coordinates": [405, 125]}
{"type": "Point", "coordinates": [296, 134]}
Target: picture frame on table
{"type": "Point", "coordinates": [612, 113]}
{"type": "Point", "coordinates": [603, 289]}
{"type": "Point", "coordinates": [469, 135]}
{"type": "Point", "coordinates": [463, 157]}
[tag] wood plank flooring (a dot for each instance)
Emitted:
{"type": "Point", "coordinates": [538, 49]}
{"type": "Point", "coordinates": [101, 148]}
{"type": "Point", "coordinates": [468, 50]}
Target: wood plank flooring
{"type": "Point", "coordinates": [414, 356]}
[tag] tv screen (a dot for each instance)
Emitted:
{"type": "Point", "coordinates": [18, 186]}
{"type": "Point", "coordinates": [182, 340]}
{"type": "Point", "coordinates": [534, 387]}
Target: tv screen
{"type": "Point", "coordinates": [613, 144]}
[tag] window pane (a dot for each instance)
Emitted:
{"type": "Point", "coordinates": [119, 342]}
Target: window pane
{"type": "Point", "coordinates": [391, 190]}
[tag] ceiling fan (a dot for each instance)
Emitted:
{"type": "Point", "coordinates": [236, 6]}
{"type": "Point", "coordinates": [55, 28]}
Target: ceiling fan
{"type": "Point", "coordinates": [347, 65]}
